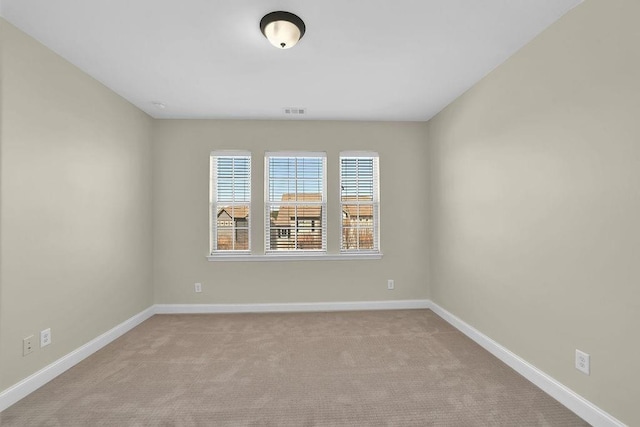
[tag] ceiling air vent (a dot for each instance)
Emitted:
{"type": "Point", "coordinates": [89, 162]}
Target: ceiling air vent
{"type": "Point", "coordinates": [294, 111]}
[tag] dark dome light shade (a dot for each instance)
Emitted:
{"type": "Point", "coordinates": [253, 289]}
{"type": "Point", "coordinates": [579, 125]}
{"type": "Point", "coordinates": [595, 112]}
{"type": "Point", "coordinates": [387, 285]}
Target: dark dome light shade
{"type": "Point", "coordinates": [282, 29]}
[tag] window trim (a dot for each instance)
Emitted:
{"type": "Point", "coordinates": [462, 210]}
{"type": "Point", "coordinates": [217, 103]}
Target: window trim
{"type": "Point", "coordinates": [213, 217]}
{"type": "Point", "coordinates": [375, 203]}
{"type": "Point", "coordinates": [297, 257]}
{"type": "Point", "coordinates": [296, 253]}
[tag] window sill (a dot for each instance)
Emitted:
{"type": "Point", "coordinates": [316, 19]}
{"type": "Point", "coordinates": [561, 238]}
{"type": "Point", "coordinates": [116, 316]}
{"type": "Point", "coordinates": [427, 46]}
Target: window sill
{"type": "Point", "coordinates": [295, 257]}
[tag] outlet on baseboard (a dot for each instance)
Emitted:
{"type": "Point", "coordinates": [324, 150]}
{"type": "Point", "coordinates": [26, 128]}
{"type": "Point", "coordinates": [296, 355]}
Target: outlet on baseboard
{"type": "Point", "coordinates": [390, 284]}
{"type": "Point", "coordinates": [582, 362]}
{"type": "Point", "coordinates": [198, 287]}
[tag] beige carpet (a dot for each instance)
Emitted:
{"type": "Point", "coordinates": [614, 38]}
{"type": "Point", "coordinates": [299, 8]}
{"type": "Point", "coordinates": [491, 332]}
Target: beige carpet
{"type": "Point", "coordinates": [383, 368]}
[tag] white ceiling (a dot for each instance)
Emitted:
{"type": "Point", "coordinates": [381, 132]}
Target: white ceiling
{"type": "Point", "coordinates": [359, 59]}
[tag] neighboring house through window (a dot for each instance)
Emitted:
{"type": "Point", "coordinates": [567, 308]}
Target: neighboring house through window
{"type": "Point", "coordinates": [359, 200]}
{"type": "Point", "coordinates": [295, 202]}
{"type": "Point", "coordinates": [230, 201]}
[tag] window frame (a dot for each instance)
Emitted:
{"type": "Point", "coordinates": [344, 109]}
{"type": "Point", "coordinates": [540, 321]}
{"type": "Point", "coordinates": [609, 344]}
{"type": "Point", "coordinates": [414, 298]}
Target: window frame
{"type": "Point", "coordinates": [374, 203]}
{"type": "Point", "coordinates": [214, 203]}
{"type": "Point", "coordinates": [285, 256]}
{"type": "Point", "coordinates": [268, 204]}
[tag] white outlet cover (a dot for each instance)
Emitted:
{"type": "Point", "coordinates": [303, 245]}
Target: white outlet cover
{"type": "Point", "coordinates": [45, 337]}
{"type": "Point", "coordinates": [27, 345]}
{"type": "Point", "coordinates": [583, 362]}
{"type": "Point", "coordinates": [198, 287]}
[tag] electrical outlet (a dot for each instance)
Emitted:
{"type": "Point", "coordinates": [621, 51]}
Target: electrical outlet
{"type": "Point", "coordinates": [390, 284]}
{"type": "Point", "coordinates": [45, 337]}
{"type": "Point", "coordinates": [582, 362]}
{"type": "Point", "coordinates": [27, 345]}
{"type": "Point", "coordinates": [198, 287]}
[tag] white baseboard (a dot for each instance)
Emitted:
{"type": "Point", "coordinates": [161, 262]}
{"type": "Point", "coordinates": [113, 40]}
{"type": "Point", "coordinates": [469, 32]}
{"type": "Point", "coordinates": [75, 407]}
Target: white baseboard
{"type": "Point", "coordinates": [576, 403]}
{"type": "Point", "coordinates": [290, 307]}
{"type": "Point", "coordinates": [573, 401]}
{"type": "Point", "coordinates": [30, 384]}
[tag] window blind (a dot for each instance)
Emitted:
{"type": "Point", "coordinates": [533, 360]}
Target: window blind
{"type": "Point", "coordinates": [230, 202]}
{"type": "Point", "coordinates": [359, 201]}
{"type": "Point", "coordinates": [295, 202]}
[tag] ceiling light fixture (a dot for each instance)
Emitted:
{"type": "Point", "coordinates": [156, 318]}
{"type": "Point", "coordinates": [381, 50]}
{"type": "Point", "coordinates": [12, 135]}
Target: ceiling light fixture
{"type": "Point", "coordinates": [282, 29]}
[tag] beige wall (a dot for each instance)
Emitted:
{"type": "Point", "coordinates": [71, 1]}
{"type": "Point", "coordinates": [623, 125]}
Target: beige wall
{"type": "Point", "coordinates": [181, 188]}
{"type": "Point", "coordinates": [2, 30]}
{"type": "Point", "coordinates": [75, 213]}
{"type": "Point", "coordinates": [534, 203]}
{"type": "Point", "coordinates": [533, 206]}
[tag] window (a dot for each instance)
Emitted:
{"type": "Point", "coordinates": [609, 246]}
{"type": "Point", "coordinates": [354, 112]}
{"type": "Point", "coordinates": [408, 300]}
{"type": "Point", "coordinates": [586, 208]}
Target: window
{"type": "Point", "coordinates": [359, 200]}
{"type": "Point", "coordinates": [230, 201]}
{"type": "Point", "coordinates": [295, 202]}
